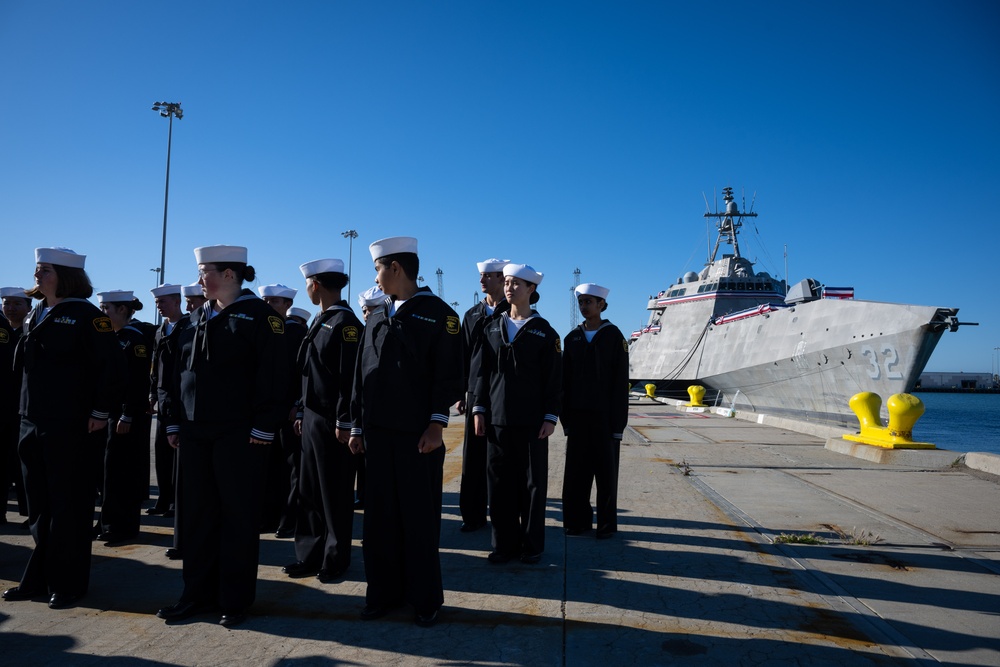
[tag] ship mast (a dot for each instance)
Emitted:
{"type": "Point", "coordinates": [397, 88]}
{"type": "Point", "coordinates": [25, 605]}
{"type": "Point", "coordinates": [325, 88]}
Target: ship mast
{"type": "Point", "coordinates": [728, 223]}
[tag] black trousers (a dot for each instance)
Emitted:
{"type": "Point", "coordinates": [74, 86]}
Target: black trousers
{"type": "Point", "coordinates": [472, 494]}
{"type": "Point", "coordinates": [518, 469]}
{"type": "Point", "coordinates": [220, 476]}
{"type": "Point", "coordinates": [165, 463]}
{"type": "Point", "coordinates": [326, 496]}
{"type": "Point", "coordinates": [57, 463]}
{"type": "Point", "coordinates": [402, 528]}
{"type": "Point", "coordinates": [10, 463]}
{"type": "Point", "coordinates": [591, 455]}
{"type": "Point", "coordinates": [126, 476]}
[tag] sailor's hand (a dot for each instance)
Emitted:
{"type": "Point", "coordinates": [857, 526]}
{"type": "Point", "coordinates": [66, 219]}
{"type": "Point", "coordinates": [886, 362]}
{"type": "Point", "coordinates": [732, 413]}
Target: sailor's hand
{"type": "Point", "coordinates": [96, 425]}
{"type": "Point", "coordinates": [357, 444]}
{"type": "Point", "coordinates": [173, 440]}
{"type": "Point", "coordinates": [548, 428]}
{"type": "Point", "coordinates": [431, 439]}
{"type": "Point", "coordinates": [479, 423]}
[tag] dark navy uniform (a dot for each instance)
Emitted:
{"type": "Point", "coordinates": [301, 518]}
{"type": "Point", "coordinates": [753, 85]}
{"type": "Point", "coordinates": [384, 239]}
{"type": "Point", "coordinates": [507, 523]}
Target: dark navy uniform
{"type": "Point", "coordinates": [10, 421]}
{"type": "Point", "coordinates": [161, 372]}
{"type": "Point", "coordinates": [519, 386]}
{"type": "Point", "coordinates": [472, 501]}
{"type": "Point", "coordinates": [326, 482]}
{"type": "Point", "coordinates": [126, 459]}
{"type": "Point", "coordinates": [595, 413]}
{"type": "Point", "coordinates": [72, 372]}
{"type": "Point", "coordinates": [230, 375]}
{"type": "Point", "coordinates": [281, 468]}
{"type": "Point", "coordinates": [409, 373]}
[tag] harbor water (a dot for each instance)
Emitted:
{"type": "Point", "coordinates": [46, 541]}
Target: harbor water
{"type": "Point", "coordinates": [960, 422]}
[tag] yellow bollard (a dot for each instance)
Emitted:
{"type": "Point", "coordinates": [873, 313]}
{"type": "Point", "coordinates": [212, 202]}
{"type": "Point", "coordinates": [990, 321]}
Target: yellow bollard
{"type": "Point", "coordinates": [696, 392]}
{"type": "Point", "coordinates": [904, 411]}
{"type": "Point", "coordinates": [651, 390]}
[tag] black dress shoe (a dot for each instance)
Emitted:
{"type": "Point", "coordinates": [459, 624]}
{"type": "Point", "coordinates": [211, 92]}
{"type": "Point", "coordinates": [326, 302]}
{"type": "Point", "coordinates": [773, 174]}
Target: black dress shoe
{"type": "Point", "coordinates": [576, 531]}
{"type": "Point", "coordinates": [154, 510]}
{"type": "Point", "coordinates": [331, 574]}
{"type": "Point", "coordinates": [169, 514]}
{"type": "Point", "coordinates": [63, 600]}
{"type": "Point", "coordinates": [17, 594]}
{"type": "Point", "coordinates": [426, 620]}
{"type": "Point", "coordinates": [605, 534]}
{"type": "Point", "coordinates": [284, 533]}
{"type": "Point", "coordinates": [373, 611]}
{"type": "Point", "coordinates": [531, 559]}
{"type": "Point", "coordinates": [300, 569]}
{"type": "Point", "coordinates": [231, 619]}
{"type": "Point", "coordinates": [174, 554]}
{"type": "Point", "coordinates": [111, 538]}
{"type": "Point", "coordinates": [499, 557]}
{"type": "Point", "coordinates": [182, 610]}
{"type": "Point", "coordinates": [471, 527]}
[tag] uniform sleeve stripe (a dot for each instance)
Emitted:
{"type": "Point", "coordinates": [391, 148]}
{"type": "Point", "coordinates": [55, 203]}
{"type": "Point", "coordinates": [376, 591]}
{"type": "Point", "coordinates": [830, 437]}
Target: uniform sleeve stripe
{"type": "Point", "coordinates": [100, 415]}
{"type": "Point", "coordinates": [551, 418]}
{"type": "Point", "coordinates": [440, 418]}
{"type": "Point", "coordinates": [261, 435]}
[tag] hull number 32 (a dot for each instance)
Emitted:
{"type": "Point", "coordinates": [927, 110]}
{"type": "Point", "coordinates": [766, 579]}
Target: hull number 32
{"type": "Point", "coordinates": [889, 362]}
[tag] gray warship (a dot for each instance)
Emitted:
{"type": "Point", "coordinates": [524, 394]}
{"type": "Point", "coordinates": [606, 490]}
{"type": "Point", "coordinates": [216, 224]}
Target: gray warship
{"type": "Point", "coordinates": [759, 345]}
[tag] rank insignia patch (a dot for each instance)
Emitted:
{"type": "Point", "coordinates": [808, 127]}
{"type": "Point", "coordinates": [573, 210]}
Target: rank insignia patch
{"type": "Point", "coordinates": [140, 351]}
{"type": "Point", "coordinates": [452, 325]}
{"type": "Point", "coordinates": [103, 324]}
{"type": "Point", "coordinates": [350, 334]}
{"type": "Point", "coordinates": [277, 325]}
{"type": "Point", "coordinates": [4, 336]}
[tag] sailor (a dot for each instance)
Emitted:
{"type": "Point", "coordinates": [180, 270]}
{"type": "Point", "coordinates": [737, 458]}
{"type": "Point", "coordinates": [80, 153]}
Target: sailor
{"type": "Point", "coordinates": [298, 315]}
{"type": "Point", "coordinates": [232, 369]}
{"type": "Point", "coordinates": [168, 304]}
{"type": "Point", "coordinates": [16, 305]}
{"type": "Point", "coordinates": [408, 374]}
{"type": "Point", "coordinates": [368, 301]}
{"type": "Point", "coordinates": [326, 480]}
{"type": "Point", "coordinates": [595, 413]}
{"type": "Point", "coordinates": [194, 297]}
{"type": "Point", "coordinates": [126, 457]}
{"type": "Point", "coordinates": [516, 406]}
{"type": "Point", "coordinates": [472, 491]}
{"type": "Point", "coordinates": [71, 373]}
{"type": "Point", "coordinates": [281, 470]}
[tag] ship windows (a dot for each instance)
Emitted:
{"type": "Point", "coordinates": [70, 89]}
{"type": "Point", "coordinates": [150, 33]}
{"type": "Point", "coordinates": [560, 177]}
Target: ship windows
{"type": "Point", "coordinates": [741, 287]}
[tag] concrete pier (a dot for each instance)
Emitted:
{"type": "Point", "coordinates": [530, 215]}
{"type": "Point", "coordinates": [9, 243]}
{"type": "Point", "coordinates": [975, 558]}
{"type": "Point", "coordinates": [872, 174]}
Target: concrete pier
{"type": "Point", "coordinates": [711, 566]}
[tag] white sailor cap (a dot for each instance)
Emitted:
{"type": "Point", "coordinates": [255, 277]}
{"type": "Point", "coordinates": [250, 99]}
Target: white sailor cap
{"type": "Point", "coordinates": [371, 297]}
{"type": "Point", "coordinates": [212, 254]}
{"type": "Point", "coordinates": [524, 272]}
{"type": "Point", "coordinates": [60, 257]}
{"type": "Point", "coordinates": [301, 313]}
{"type": "Point", "coordinates": [318, 266]}
{"type": "Point", "coordinates": [166, 290]}
{"type": "Point", "coordinates": [115, 296]}
{"type": "Point", "coordinates": [392, 245]}
{"type": "Point", "coordinates": [277, 290]}
{"type": "Point", "coordinates": [492, 265]}
{"type": "Point", "coordinates": [593, 289]}
{"type": "Point", "coordinates": [13, 291]}
{"type": "Point", "coordinates": [194, 289]}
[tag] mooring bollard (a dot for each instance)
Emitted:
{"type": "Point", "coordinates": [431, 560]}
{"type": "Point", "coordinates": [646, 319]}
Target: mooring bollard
{"type": "Point", "coordinates": [904, 411]}
{"type": "Point", "coordinates": [696, 393]}
{"type": "Point", "coordinates": [651, 390]}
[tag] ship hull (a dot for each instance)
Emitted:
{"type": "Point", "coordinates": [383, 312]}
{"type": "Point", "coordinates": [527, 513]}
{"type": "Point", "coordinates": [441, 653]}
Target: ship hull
{"type": "Point", "coordinates": [803, 362]}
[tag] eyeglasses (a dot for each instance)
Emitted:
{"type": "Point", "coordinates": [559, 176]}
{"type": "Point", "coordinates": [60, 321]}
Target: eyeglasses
{"type": "Point", "coordinates": [204, 272]}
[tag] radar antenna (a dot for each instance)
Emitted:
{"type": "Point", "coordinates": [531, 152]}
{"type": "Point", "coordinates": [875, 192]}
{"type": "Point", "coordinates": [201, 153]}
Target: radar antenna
{"type": "Point", "coordinates": [728, 223]}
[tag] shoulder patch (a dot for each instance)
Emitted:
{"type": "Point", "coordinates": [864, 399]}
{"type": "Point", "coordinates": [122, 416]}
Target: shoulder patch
{"type": "Point", "coordinates": [350, 334]}
{"type": "Point", "coordinates": [558, 345]}
{"type": "Point", "coordinates": [277, 324]}
{"type": "Point", "coordinates": [140, 351]}
{"type": "Point", "coordinates": [4, 336]}
{"type": "Point", "coordinates": [103, 324]}
{"type": "Point", "coordinates": [452, 325]}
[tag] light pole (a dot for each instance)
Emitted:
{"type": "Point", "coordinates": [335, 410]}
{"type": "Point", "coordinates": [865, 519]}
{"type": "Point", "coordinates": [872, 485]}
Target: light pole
{"type": "Point", "coordinates": [157, 284]}
{"type": "Point", "coordinates": [167, 110]}
{"type": "Point", "coordinates": [350, 234]}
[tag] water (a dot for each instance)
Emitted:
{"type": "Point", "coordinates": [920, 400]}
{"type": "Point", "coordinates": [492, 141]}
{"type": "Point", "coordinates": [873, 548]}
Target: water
{"type": "Point", "coordinates": [960, 422]}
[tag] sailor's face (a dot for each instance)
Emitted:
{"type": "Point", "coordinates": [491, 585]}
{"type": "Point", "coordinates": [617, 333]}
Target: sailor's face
{"type": "Point", "coordinates": [46, 279]}
{"type": "Point", "coordinates": [387, 276]}
{"type": "Point", "coordinates": [590, 306]}
{"type": "Point", "coordinates": [279, 303]}
{"type": "Point", "coordinates": [168, 306]}
{"type": "Point", "coordinates": [491, 282]}
{"type": "Point", "coordinates": [193, 303]}
{"type": "Point", "coordinates": [517, 291]}
{"type": "Point", "coordinates": [15, 308]}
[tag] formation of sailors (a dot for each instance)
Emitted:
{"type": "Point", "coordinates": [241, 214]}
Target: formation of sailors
{"type": "Point", "coordinates": [267, 418]}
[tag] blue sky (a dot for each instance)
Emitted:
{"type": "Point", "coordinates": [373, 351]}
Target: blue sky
{"type": "Point", "coordinates": [560, 134]}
